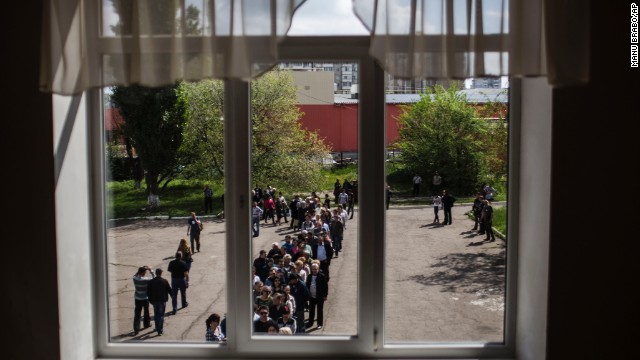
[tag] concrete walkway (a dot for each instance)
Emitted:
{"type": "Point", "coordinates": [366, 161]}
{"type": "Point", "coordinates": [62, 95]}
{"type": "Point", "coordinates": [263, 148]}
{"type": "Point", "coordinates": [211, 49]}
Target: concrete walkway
{"type": "Point", "coordinates": [443, 283]}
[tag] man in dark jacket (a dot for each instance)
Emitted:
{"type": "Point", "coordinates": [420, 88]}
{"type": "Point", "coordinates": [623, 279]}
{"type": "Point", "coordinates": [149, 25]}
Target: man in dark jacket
{"type": "Point", "coordinates": [262, 265]}
{"type": "Point", "coordinates": [447, 204]}
{"type": "Point", "coordinates": [293, 207]}
{"type": "Point", "coordinates": [323, 251]}
{"type": "Point", "coordinates": [262, 324]}
{"type": "Point", "coordinates": [318, 291]}
{"type": "Point", "coordinates": [476, 209]}
{"type": "Point", "coordinates": [159, 291]}
{"type": "Point", "coordinates": [300, 294]}
{"type": "Point", "coordinates": [179, 281]}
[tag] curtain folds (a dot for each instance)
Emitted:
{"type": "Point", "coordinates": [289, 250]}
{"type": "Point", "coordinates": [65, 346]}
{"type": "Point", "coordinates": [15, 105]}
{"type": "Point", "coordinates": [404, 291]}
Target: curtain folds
{"type": "Point", "coordinates": [461, 39]}
{"type": "Point", "coordinates": [156, 42]}
{"type": "Point", "coordinates": [97, 43]}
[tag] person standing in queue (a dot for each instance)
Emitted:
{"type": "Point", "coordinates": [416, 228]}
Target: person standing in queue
{"type": "Point", "coordinates": [159, 291]}
{"type": "Point", "coordinates": [300, 294]}
{"type": "Point", "coordinates": [141, 298]}
{"type": "Point", "coordinates": [179, 281]}
{"type": "Point", "coordinates": [476, 209]}
{"type": "Point", "coordinates": [487, 219]}
{"type": "Point", "coordinates": [437, 202]}
{"type": "Point", "coordinates": [193, 231]}
{"type": "Point", "coordinates": [437, 181]}
{"type": "Point", "coordinates": [208, 199]}
{"type": "Point", "coordinates": [214, 331]}
{"type": "Point", "coordinates": [256, 214]}
{"type": "Point", "coordinates": [417, 180]}
{"type": "Point", "coordinates": [447, 204]}
{"type": "Point", "coordinates": [318, 291]}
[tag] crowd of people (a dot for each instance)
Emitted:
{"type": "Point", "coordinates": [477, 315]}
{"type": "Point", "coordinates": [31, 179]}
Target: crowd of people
{"type": "Point", "coordinates": [289, 280]}
{"type": "Point", "coordinates": [481, 209]}
{"type": "Point", "coordinates": [293, 276]}
{"type": "Point", "coordinates": [483, 214]}
{"type": "Point", "coordinates": [154, 290]}
{"type": "Point", "coordinates": [269, 207]}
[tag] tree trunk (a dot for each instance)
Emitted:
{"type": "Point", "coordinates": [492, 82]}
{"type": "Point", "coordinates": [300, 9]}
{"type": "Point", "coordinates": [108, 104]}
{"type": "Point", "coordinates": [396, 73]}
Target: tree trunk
{"type": "Point", "coordinates": [134, 164]}
{"type": "Point", "coordinates": [153, 199]}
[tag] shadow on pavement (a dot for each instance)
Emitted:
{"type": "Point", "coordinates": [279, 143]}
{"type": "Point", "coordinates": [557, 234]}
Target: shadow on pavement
{"type": "Point", "coordinates": [467, 273]}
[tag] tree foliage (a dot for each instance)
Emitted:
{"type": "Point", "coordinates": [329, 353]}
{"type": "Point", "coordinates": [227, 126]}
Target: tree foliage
{"type": "Point", "coordinates": [283, 154]}
{"type": "Point", "coordinates": [441, 133]}
{"type": "Point", "coordinates": [495, 146]}
{"type": "Point", "coordinates": [203, 134]}
{"type": "Point", "coordinates": [153, 122]}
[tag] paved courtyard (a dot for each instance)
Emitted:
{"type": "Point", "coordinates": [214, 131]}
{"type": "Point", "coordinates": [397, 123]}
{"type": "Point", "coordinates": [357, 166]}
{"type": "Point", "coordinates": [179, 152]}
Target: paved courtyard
{"type": "Point", "coordinates": [442, 282]}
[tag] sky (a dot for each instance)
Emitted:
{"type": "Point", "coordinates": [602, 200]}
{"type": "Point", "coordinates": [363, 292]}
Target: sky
{"type": "Point", "coordinates": [314, 17]}
{"type": "Point", "coordinates": [336, 17]}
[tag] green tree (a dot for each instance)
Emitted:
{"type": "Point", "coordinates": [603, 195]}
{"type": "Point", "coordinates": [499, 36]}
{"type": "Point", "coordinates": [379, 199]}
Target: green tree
{"type": "Point", "coordinates": [203, 134]}
{"type": "Point", "coordinates": [283, 154]}
{"type": "Point", "coordinates": [153, 122]}
{"type": "Point", "coordinates": [495, 144]}
{"type": "Point", "coordinates": [441, 133]}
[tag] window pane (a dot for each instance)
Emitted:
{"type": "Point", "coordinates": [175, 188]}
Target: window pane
{"type": "Point", "coordinates": [322, 18]}
{"type": "Point", "coordinates": [446, 270]}
{"type": "Point", "coordinates": [164, 17]}
{"type": "Point", "coordinates": [164, 157]}
{"type": "Point", "coordinates": [304, 179]}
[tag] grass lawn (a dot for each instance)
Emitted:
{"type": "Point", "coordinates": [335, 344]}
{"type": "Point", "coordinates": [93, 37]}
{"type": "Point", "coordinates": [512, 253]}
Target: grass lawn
{"type": "Point", "coordinates": [329, 176]}
{"type": "Point", "coordinates": [499, 219]}
{"type": "Point", "coordinates": [181, 196]}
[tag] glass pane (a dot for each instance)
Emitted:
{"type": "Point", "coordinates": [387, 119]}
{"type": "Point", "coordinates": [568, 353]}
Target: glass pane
{"type": "Point", "coordinates": [446, 144]}
{"type": "Point", "coordinates": [322, 17]}
{"type": "Point", "coordinates": [164, 17]}
{"type": "Point", "coordinates": [304, 178]}
{"type": "Point", "coordinates": [165, 194]}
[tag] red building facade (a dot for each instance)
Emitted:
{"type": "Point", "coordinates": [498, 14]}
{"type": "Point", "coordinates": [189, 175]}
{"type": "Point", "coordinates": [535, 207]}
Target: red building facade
{"type": "Point", "coordinates": [338, 124]}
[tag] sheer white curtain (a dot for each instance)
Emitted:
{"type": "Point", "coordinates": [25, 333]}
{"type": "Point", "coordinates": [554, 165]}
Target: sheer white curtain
{"type": "Point", "coordinates": [96, 43]}
{"type": "Point", "coordinates": [156, 42]}
{"type": "Point", "coordinates": [474, 38]}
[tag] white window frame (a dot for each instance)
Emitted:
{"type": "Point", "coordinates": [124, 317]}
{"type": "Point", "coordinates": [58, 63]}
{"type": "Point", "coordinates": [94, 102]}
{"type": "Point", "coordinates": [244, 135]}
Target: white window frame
{"type": "Point", "coordinates": [81, 228]}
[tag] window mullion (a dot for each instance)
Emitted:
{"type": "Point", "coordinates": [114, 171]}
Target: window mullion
{"type": "Point", "coordinates": [237, 206]}
{"type": "Point", "coordinates": [371, 224]}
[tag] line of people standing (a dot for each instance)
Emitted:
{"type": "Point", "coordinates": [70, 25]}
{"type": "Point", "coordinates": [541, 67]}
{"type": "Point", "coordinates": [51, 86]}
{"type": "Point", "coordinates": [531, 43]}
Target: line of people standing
{"type": "Point", "coordinates": [293, 276]}
{"type": "Point", "coordinates": [482, 211]}
{"type": "Point", "coordinates": [156, 290]}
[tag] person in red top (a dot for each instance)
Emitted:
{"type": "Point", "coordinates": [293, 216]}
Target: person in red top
{"type": "Point", "coordinates": [269, 207]}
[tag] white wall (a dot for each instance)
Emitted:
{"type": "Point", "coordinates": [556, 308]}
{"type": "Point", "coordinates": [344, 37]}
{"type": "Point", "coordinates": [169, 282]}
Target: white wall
{"type": "Point", "coordinates": [314, 87]}
{"type": "Point", "coordinates": [75, 282]}
{"type": "Point", "coordinates": [534, 203]}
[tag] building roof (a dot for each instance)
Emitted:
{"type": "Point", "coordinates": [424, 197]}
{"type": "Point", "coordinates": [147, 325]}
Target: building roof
{"type": "Point", "coordinates": [476, 96]}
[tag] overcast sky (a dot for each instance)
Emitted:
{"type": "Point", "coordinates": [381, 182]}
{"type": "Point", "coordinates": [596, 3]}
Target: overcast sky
{"type": "Point", "coordinates": [314, 17]}
{"type": "Point", "coordinates": [336, 17]}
